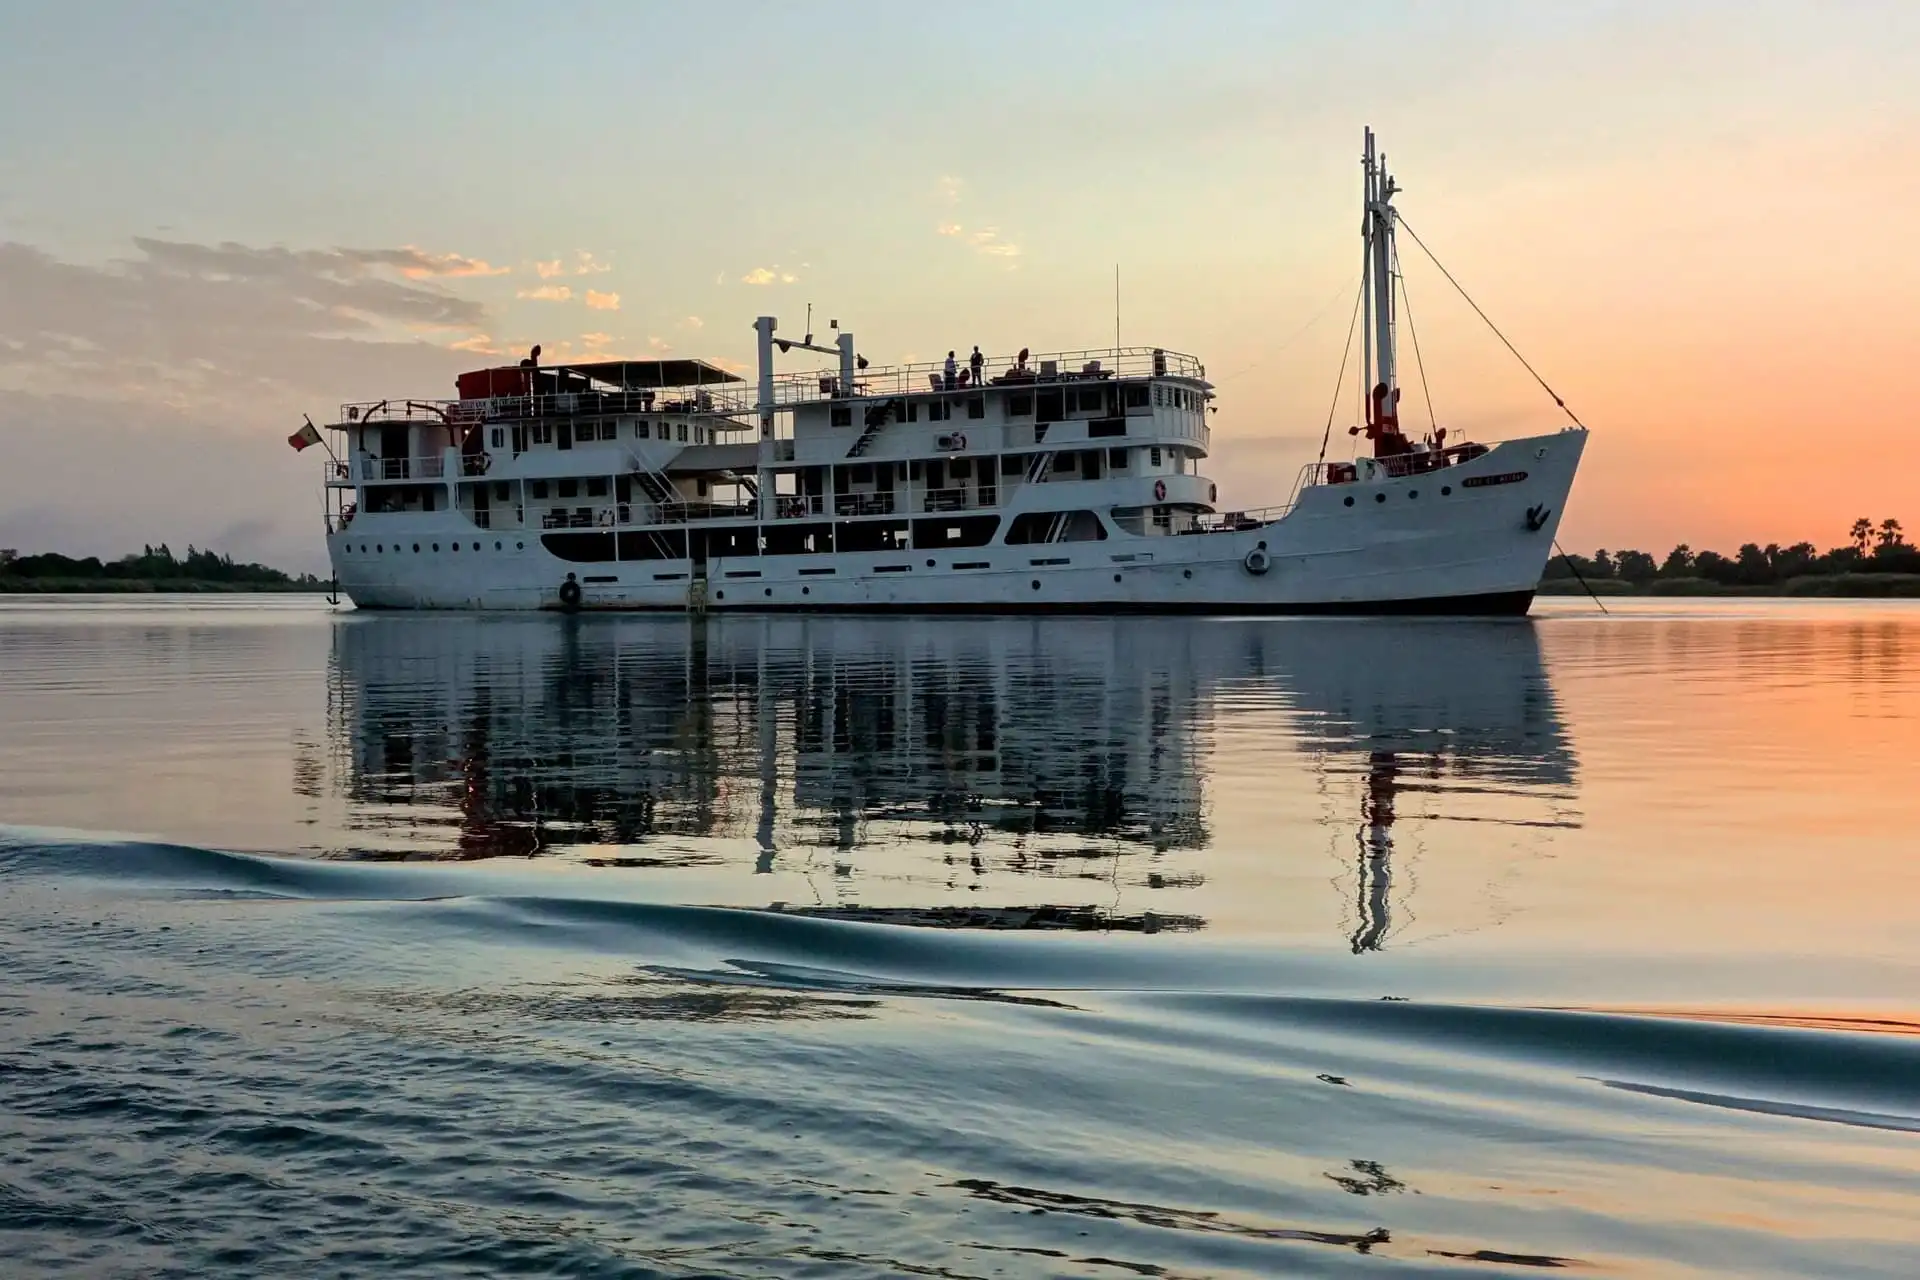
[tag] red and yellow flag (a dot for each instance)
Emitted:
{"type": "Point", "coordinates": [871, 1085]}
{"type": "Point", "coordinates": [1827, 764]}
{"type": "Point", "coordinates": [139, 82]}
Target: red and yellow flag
{"type": "Point", "coordinates": [305, 436]}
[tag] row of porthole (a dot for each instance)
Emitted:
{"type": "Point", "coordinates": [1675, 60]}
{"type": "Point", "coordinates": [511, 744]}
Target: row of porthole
{"type": "Point", "coordinates": [1446, 491]}
{"type": "Point", "coordinates": [807, 591]}
{"type": "Point", "coordinates": [379, 548]}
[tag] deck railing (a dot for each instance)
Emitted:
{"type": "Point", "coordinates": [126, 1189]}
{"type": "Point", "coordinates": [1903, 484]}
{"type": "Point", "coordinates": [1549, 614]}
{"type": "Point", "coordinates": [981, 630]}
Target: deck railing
{"type": "Point", "coordinates": [432, 466]}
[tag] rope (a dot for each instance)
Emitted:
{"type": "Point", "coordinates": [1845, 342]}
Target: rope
{"type": "Point", "coordinates": [1353, 322]}
{"type": "Point", "coordinates": [1491, 325]}
{"type": "Point", "coordinates": [1406, 305]}
{"type": "Point", "coordinates": [1576, 575]}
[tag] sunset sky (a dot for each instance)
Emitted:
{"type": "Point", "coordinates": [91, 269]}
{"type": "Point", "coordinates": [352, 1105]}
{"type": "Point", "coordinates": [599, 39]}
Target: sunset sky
{"type": "Point", "coordinates": [1695, 220]}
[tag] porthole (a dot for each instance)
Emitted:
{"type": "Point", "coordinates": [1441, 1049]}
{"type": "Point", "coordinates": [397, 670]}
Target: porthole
{"type": "Point", "coordinates": [519, 546]}
{"type": "Point", "coordinates": [496, 546]}
{"type": "Point", "coordinates": [1349, 499]}
{"type": "Point", "coordinates": [379, 547]}
{"type": "Point", "coordinates": [456, 547]}
{"type": "Point", "coordinates": [719, 595]}
{"type": "Point", "coordinates": [806, 591]}
{"type": "Point", "coordinates": [1413, 493]}
{"type": "Point", "coordinates": [1116, 577]}
{"type": "Point", "coordinates": [1186, 573]}
{"type": "Point", "coordinates": [1446, 490]}
{"type": "Point", "coordinates": [1263, 544]}
{"type": "Point", "coordinates": [929, 564]}
{"type": "Point", "coordinates": [1380, 497]}
{"type": "Point", "coordinates": [436, 546]}
{"type": "Point", "coordinates": [769, 591]}
{"type": "Point", "coordinates": [416, 548]}
{"type": "Point", "coordinates": [1036, 584]}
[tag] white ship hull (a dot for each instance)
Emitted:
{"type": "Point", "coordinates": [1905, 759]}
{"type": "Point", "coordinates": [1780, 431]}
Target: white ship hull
{"type": "Point", "coordinates": [1472, 538]}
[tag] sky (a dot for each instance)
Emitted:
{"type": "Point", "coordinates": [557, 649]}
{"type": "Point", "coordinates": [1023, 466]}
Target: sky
{"type": "Point", "coordinates": [1693, 218]}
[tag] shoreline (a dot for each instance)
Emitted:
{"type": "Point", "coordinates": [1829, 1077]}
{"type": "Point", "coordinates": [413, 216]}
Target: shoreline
{"type": "Point", "coordinates": [152, 586]}
{"type": "Point", "coordinates": [1846, 586]}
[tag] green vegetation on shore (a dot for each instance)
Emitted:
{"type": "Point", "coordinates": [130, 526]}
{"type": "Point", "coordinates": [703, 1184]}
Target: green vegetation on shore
{"type": "Point", "coordinates": [1876, 561]}
{"type": "Point", "coordinates": [154, 569]}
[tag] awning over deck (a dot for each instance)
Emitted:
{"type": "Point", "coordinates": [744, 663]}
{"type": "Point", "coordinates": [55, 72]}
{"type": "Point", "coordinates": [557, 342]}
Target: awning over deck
{"type": "Point", "coordinates": [647, 375]}
{"type": "Point", "coordinates": [701, 458]}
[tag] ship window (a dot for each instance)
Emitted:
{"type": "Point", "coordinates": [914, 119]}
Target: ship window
{"type": "Point", "coordinates": [498, 436]}
{"type": "Point", "coordinates": [1031, 527]}
{"type": "Point", "coordinates": [1052, 407]}
{"type": "Point", "coordinates": [1159, 394]}
{"type": "Point", "coordinates": [1020, 404]}
{"type": "Point", "coordinates": [597, 487]}
{"type": "Point", "coordinates": [543, 433]}
{"type": "Point", "coordinates": [683, 433]}
{"type": "Point", "coordinates": [569, 488]}
{"type": "Point", "coordinates": [640, 429]}
{"type": "Point", "coordinates": [1093, 400]}
{"type": "Point", "coordinates": [976, 406]}
{"type": "Point", "coordinates": [841, 415]}
{"type": "Point", "coordinates": [1116, 459]}
{"type": "Point", "coordinates": [1012, 464]}
{"type": "Point", "coordinates": [1107, 427]}
{"type": "Point", "coordinates": [502, 492]}
{"type": "Point", "coordinates": [960, 469]}
{"type": "Point", "coordinates": [539, 488]}
{"type": "Point", "coordinates": [1066, 464]}
{"type": "Point", "coordinates": [861, 474]}
{"type": "Point", "coordinates": [1153, 456]}
{"type": "Point", "coordinates": [913, 411]}
{"type": "Point", "coordinates": [1134, 395]}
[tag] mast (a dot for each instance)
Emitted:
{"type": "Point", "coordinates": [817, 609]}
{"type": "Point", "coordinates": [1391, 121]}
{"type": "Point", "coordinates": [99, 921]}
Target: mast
{"type": "Point", "coordinates": [1377, 228]}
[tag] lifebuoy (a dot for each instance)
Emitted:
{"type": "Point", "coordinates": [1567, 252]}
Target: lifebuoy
{"type": "Point", "coordinates": [570, 594]}
{"type": "Point", "coordinates": [1159, 490]}
{"type": "Point", "coordinates": [1257, 561]}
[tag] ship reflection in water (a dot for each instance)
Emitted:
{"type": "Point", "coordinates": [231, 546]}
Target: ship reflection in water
{"type": "Point", "coordinates": [1119, 774]}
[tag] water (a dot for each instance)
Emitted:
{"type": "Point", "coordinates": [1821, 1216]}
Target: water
{"type": "Point", "coordinates": [618, 947]}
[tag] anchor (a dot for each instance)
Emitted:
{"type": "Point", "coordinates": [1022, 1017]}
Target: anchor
{"type": "Point", "coordinates": [1537, 517]}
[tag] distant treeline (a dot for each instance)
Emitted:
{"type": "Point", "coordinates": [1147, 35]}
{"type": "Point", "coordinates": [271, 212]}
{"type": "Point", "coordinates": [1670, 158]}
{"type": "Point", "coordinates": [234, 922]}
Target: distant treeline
{"type": "Point", "coordinates": [157, 566]}
{"type": "Point", "coordinates": [1872, 551]}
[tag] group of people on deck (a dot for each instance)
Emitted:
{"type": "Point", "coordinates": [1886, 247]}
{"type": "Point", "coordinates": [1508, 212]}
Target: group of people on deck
{"type": "Point", "coordinates": [955, 378]}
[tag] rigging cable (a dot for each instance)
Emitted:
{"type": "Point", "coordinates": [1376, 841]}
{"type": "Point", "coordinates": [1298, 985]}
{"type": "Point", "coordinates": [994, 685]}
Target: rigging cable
{"type": "Point", "coordinates": [1298, 334]}
{"type": "Point", "coordinates": [1577, 576]}
{"type": "Point", "coordinates": [1491, 325]}
{"type": "Point", "coordinates": [1352, 323]}
{"type": "Point", "coordinates": [1406, 306]}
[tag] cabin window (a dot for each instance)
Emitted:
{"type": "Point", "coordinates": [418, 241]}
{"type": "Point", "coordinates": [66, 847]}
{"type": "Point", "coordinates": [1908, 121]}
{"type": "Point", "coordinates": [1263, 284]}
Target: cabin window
{"type": "Point", "coordinates": [939, 411]}
{"type": "Point", "coordinates": [960, 469]}
{"type": "Point", "coordinates": [1093, 400]}
{"type": "Point", "coordinates": [841, 415]}
{"type": "Point", "coordinates": [569, 488]}
{"type": "Point", "coordinates": [683, 433]}
{"type": "Point", "coordinates": [700, 488]}
{"type": "Point", "coordinates": [498, 437]}
{"type": "Point", "coordinates": [1153, 456]}
{"type": "Point", "coordinates": [1116, 459]}
{"type": "Point", "coordinates": [1051, 407]}
{"type": "Point", "coordinates": [640, 429]}
{"type": "Point", "coordinates": [954, 531]}
{"type": "Point", "coordinates": [1055, 526]}
{"type": "Point", "coordinates": [539, 488]}
{"type": "Point", "coordinates": [913, 411]}
{"type": "Point", "coordinates": [976, 407]}
{"type": "Point", "coordinates": [862, 474]}
{"type": "Point", "coordinates": [1020, 404]}
{"type": "Point", "coordinates": [597, 487]}
{"type": "Point", "coordinates": [502, 491]}
{"type": "Point", "coordinates": [1134, 395]}
{"type": "Point", "coordinates": [1066, 464]}
{"type": "Point", "coordinates": [1102, 427]}
{"type": "Point", "coordinates": [1012, 464]}
{"type": "Point", "coordinates": [542, 433]}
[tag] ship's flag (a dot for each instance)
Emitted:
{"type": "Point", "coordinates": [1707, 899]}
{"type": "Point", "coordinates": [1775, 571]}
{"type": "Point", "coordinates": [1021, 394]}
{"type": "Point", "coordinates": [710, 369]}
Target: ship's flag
{"type": "Point", "coordinates": [305, 436]}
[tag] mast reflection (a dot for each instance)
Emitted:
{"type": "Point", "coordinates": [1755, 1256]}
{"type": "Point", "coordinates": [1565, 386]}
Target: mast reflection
{"type": "Point", "coordinates": [922, 758]}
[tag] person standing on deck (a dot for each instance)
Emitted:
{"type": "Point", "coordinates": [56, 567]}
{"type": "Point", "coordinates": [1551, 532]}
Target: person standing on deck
{"type": "Point", "coordinates": [976, 362]}
{"type": "Point", "coordinates": [953, 370]}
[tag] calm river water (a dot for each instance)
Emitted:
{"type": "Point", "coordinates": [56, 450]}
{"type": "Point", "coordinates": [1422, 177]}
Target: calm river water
{"type": "Point", "coordinates": [343, 945]}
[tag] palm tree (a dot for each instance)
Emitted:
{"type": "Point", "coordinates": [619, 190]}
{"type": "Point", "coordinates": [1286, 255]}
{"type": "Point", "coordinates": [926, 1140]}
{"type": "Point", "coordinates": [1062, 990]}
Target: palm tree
{"type": "Point", "coordinates": [1862, 534]}
{"type": "Point", "coordinates": [1890, 535]}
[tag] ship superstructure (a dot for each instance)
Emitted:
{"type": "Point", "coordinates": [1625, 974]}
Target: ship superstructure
{"type": "Point", "coordinates": [1070, 481]}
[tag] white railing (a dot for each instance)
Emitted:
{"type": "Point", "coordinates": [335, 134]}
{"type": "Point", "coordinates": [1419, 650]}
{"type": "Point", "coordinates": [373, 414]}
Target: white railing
{"type": "Point", "coordinates": [1046, 369]}
{"type": "Point", "coordinates": [430, 467]}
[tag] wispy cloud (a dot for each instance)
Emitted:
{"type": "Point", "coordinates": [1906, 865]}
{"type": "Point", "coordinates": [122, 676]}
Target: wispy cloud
{"type": "Point", "coordinates": [660, 344]}
{"type": "Point", "coordinates": [588, 265]}
{"type": "Point", "coordinates": [693, 322]}
{"type": "Point", "coordinates": [950, 188]}
{"type": "Point", "coordinates": [480, 344]}
{"type": "Point", "coordinates": [603, 301]}
{"type": "Point", "coordinates": [546, 293]}
{"type": "Point", "coordinates": [985, 241]}
{"type": "Point", "coordinates": [550, 268]}
{"type": "Point", "coordinates": [769, 275]}
{"type": "Point", "coordinates": [593, 341]}
{"type": "Point", "coordinates": [417, 264]}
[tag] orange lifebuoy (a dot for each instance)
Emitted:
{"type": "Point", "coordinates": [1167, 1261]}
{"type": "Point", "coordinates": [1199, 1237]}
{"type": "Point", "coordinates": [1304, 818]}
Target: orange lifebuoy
{"type": "Point", "coordinates": [1159, 490]}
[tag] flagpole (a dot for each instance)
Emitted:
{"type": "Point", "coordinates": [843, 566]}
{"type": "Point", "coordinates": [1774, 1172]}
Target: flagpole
{"type": "Point", "coordinates": [323, 440]}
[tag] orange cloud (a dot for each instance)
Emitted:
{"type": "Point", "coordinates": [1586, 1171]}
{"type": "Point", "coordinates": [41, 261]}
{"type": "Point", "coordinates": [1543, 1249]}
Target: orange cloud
{"type": "Point", "coordinates": [603, 301]}
{"type": "Point", "coordinates": [588, 265]}
{"type": "Point", "coordinates": [547, 293]}
{"type": "Point", "coordinates": [550, 268]}
{"type": "Point", "coordinates": [416, 264]}
{"type": "Point", "coordinates": [479, 344]}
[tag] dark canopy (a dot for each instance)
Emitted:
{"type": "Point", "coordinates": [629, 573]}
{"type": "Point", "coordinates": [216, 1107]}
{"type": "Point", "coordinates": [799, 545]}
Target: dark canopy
{"type": "Point", "coordinates": [646, 375]}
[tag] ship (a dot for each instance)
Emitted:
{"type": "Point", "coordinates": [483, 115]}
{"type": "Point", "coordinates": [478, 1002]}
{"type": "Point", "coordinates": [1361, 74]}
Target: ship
{"type": "Point", "coordinates": [1066, 482]}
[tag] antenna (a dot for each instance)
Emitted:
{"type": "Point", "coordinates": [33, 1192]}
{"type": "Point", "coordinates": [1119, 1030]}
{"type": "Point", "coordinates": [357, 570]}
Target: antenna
{"type": "Point", "coordinates": [809, 338]}
{"type": "Point", "coordinates": [1116, 307]}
